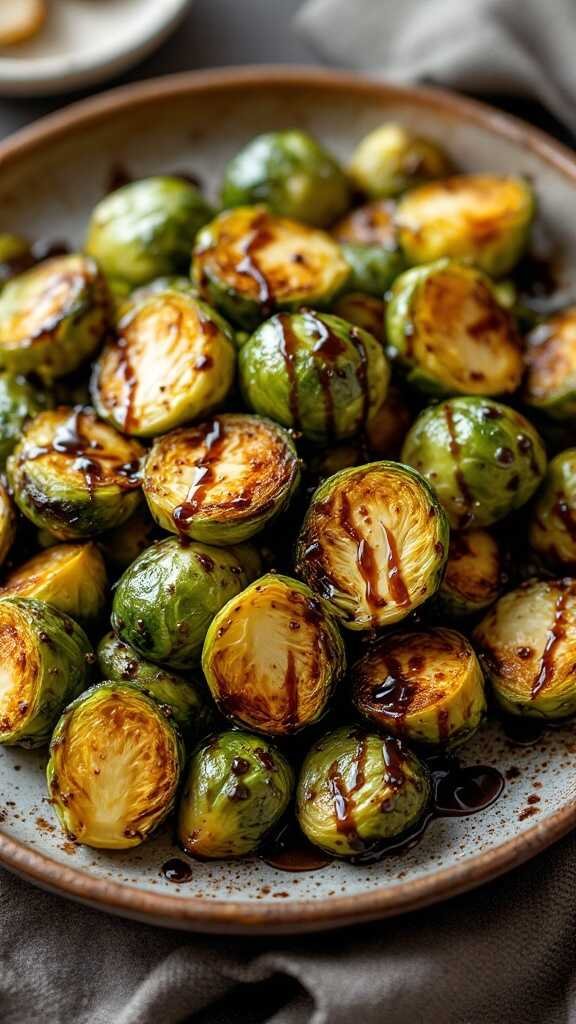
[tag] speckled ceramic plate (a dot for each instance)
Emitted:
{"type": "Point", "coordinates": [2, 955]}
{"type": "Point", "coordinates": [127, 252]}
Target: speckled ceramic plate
{"type": "Point", "coordinates": [50, 177]}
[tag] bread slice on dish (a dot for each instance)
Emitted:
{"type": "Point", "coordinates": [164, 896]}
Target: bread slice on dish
{"type": "Point", "coordinates": [20, 20]}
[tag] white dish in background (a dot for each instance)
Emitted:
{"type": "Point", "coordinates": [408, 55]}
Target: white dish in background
{"type": "Point", "coordinates": [84, 42]}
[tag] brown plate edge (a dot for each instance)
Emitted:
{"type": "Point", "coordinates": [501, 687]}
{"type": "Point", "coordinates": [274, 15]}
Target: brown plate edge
{"type": "Point", "coordinates": [233, 917]}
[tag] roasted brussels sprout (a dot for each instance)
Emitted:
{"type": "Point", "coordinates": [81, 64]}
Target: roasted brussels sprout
{"type": "Point", "coordinates": [483, 459]}
{"type": "Point", "coordinates": [70, 577]}
{"type": "Point", "coordinates": [365, 311]}
{"type": "Point", "coordinates": [358, 790]}
{"type": "Point", "coordinates": [183, 697]}
{"type": "Point", "coordinates": [373, 544]}
{"type": "Point", "coordinates": [7, 523]}
{"type": "Point", "coordinates": [370, 247]}
{"type": "Point", "coordinates": [122, 545]}
{"type": "Point", "coordinates": [146, 229]}
{"type": "Point", "coordinates": [167, 598]}
{"type": "Point", "coordinates": [550, 382]}
{"type": "Point", "coordinates": [482, 218]}
{"type": "Point", "coordinates": [236, 788]}
{"type": "Point", "coordinates": [553, 520]}
{"type": "Point", "coordinates": [292, 174]}
{"type": "Point", "coordinates": [388, 425]}
{"type": "Point", "coordinates": [249, 263]}
{"type": "Point", "coordinates": [45, 660]}
{"type": "Point", "coordinates": [75, 475]}
{"type": "Point", "coordinates": [391, 159]}
{"type": "Point", "coordinates": [324, 462]}
{"type": "Point", "coordinates": [475, 574]}
{"type": "Point", "coordinates": [15, 256]}
{"type": "Point", "coordinates": [449, 333]}
{"type": "Point", "coordinates": [425, 686]}
{"type": "Point", "coordinates": [221, 481]}
{"type": "Point", "coordinates": [314, 372]}
{"type": "Point", "coordinates": [52, 317]}
{"type": "Point", "coordinates": [272, 657]}
{"type": "Point", "coordinates": [371, 224]}
{"type": "Point", "coordinates": [115, 763]}
{"type": "Point", "coordinates": [171, 361]}
{"type": "Point", "coordinates": [19, 401]}
{"type": "Point", "coordinates": [526, 645]}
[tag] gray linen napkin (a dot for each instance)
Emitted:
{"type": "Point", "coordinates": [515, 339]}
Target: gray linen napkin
{"type": "Point", "coordinates": [517, 47]}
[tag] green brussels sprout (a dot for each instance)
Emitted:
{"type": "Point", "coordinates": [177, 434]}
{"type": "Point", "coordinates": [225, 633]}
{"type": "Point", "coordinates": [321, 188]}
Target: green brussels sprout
{"type": "Point", "coordinates": [122, 545]}
{"type": "Point", "coordinates": [146, 229]}
{"type": "Point", "coordinates": [7, 523]}
{"type": "Point", "coordinates": [16, 256]}
{"type": "Point", "coordinates": [272, 657]}
{"type": "Point", "coordinates": [372, 268]}
{"type": "Point", "coordinates": [19, 401]}
{"type": "Point", "coordinates": [159, 285]}
{"type": "Point", "coordinates": [388, 425]}
{"type": "Point", "coordinates": [526, 646]}
{"type": "Point", "coordinates": [358, 790]}
{"type": "Point", "coordinates": [391, 159]}
{"type": "Point", "coordinates": [314, 372]}
{"type": "Point", "coordinates": [425, 686]}
{"type": "Point", "coordinates": [183, 697]}
{"type": "Point", "coordinates": [70, 577]}
{"type": "Point", "coordinates": [53, 317]}
{"type": "Point", "coordinates": [223, 480]}
{"type": "Point", "coordinates": [553, 517]}
{"type": "Point", "coordinates": [550, 382]}
{"type": "Point", "coordinates": [167, 598]}
{"type": "Point", "coordinates": [481, 218]}
{"type": "Point", "coordinates": [292, 174]}
{"type": "Point", "coordinates": [46, 659]}
{"type": "Point", "coordinates": [474, 576]}
{"type": "Point", "coordinates": [74, 475]}
{"type": "Point", "coordinates": [483, 459]}
{"type": "Point", "coordinates": [115, 764]}
{"type": "Point", "coordinates": [172, 360]}
{"type": "Point", "coordinates": [236, 788]}
{"type": "Point", "coordinates": [365, 311]}
{"type": "Point", "coordinates": [449, 334]}
{"type": "Point", "coordinates": [370, 224]}
{"type": "Point", "coordinates": [249, 263]}
{"type": "Point", "coordinates": [373, 544]}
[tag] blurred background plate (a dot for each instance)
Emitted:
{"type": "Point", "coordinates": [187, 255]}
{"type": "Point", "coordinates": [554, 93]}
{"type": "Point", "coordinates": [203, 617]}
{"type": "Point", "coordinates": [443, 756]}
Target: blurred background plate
{"type": "Point", "coordinates": [85, 41]}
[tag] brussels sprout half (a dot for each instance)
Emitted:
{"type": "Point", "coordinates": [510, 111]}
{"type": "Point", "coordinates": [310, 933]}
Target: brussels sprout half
{"type": "Point", "coordinates": [482, 218]}
{"type": "Point", "coordinates": [365, 311]}
{"type": "Point", "coordinates": [358, 790]}
{"type": "Point", "coordinates": [19, 401]}
{"type": "Point", "coordinates": [146, 229]}
{"type": "Point", "coordinates": [221, 481]}
{"type": "Point", "coordinates": [272, 657]}
{"type": "Point", "coordinates": [314, 372]}
{"type": "Point", "coordinates": [70, 577]}
{"type": "Point", "coordinates": [53, 317]}
{"type": "Point", "coordinates": [391, 159]}
{"type": "Point", "coordinates": [483, 459]}
{"type": "Point", "coordinates": [526, 645]}
{"type": "Point", "coordinates": [182, 697]}
{"type": "Point", "coordinates": [114, 768]}
{"type": "Point", "coordinates": [172, 361]}
{"type": "Point", "coordinates": [425, 686]}
{"type": "Point", "coordinates": [45, 660]}
{"type": "Point", "coordinates": [475, 575]}
{"type": "Point", "coordinates": [373, 544]}
{"type": "Point", "coordinates": [370, 247]}
{"type": "Point", "coordinates": [550, 382]}
{"type": "Point", "coordinates": [248, 263]}
{"type": "Point", "coordinates": [75, 475]}
{"type": "Point", "coordinates": [553, 518]}
{"type": "Point", "coordinates": [236, 788]}
{"type": "Point", "coordinates": [7, 523]}
{"type": "Point", "coordinates": [167, 598]}
{"type": "Point", "coordinates": [292, 174]}
{"type": "Point", "coordinates": [449, 333]}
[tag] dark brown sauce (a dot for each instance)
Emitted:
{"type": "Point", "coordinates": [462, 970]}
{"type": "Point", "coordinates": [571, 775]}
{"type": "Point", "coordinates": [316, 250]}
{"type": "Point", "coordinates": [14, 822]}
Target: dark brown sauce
{"type": "Point", "coordinates": [555, 636]}
{"type": "Point", "coordinates": [291, 689]}
{"type": "Point", "coordinates": [526, 447]}
{"type": "Point", "coordinates": [398, 589]}
{"type": "Point", "coordinates": [177, 871]}
{"type": "Point", "coordinates": [454, 446]}
{"type": "Point", "coordinates": [365, 558]}
{"type": "Point", "coordinates": [130, 380]}
{"type": "Point", "coordinates": [213, 440]}
{"type": "Point", "coordinates": [394, 696]}
{"type": "Point", "coordinates": [361, 370]}
{"type": "Point", "coordinates": [288, 348]}
{"type": "Point", "coordinates": [259, 237]}
{"type": "Point", "coordinates": [289, 850]}
{"type": "Point", "coordinates": [328, 347]}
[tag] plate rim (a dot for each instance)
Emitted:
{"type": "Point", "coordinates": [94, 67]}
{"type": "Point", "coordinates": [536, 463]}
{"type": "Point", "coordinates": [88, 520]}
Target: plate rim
{"type": "Point", "coordinates": [261, 917]}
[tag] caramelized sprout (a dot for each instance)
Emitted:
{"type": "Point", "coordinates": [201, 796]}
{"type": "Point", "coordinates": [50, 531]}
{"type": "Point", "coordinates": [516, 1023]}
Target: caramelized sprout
{"type": "Point", "coordinates": [370, 247]}
{"type": "Point", "coordinates": [70, 577]}
{"type": "Point", "coordinates": [425, 686]}
{"type": "Point", "coordinates": [122, 545]}
{"type": "Point", "coordinates": [550, 382]}
{"type": "Point", "coordinates": [114, 768]}
{"type": "Point", "coordinates": [236, 788]}
{"type": "Point", "coordinates": [272, 657]}
{"type": "Point", "coordinates": [373, 544]}
{"type": "Point", "coordinates": [553, 519]}
{"type": "Point", "coordinates": [223, 480]}
{"type": "Point", "coordinates": [526, 645]}
{"type": "Point", "coordinates": [388, 425]}
{"type": "Point", "coordinates": [365, 311]}
{"type": "Point", "coordinates": [19, 402]}
{"type": "Point", "coordinates": [391, 159]}
{"type": "Point", "coordinates": [474, 576]}
{"type": "Point", "coordinates": [358, 790]}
